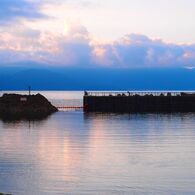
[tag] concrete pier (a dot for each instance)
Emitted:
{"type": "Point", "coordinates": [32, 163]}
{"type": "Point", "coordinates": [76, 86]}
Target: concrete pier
{"type": "Point", "coordinates": [139, 102]}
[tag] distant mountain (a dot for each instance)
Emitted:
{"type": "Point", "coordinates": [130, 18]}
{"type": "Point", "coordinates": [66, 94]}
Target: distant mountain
{"type": "Point", "coordinates": [39, 79]}
{"type": "Point", "coordinates": [58, 78]}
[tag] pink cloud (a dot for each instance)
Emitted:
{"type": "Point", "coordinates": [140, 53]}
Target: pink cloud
{"type": "Point", "coordinates": [77, 48]}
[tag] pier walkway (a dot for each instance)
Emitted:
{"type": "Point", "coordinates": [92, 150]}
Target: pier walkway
{"type": "Point", "coordinates": [139, 93]}
{"type": "Point", "coordinates": [139, 101]}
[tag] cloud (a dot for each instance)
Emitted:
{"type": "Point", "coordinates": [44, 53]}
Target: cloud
{"type": "Point", "coordinates": [78, 48]}
{"type": "Point", "coordinates": [72, 49]}
{"type": "Point", "coordinates": [11, 10]}
{"type": "Point", "coordinates": [189, 67]}
{"type": "Point", "coordinates": [58, 49]}
{"type": "Point", "coordinates": [136, 50]}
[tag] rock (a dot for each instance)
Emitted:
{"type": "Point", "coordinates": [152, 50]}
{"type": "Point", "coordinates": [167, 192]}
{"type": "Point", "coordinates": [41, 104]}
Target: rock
{"type": "Point", "coordinates": [14, 106]}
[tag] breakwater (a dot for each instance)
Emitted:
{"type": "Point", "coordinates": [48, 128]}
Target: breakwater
{"type": "Point", "coordinates": [31, 107]}
{"type": "Point", "coordinates": [139, 102]}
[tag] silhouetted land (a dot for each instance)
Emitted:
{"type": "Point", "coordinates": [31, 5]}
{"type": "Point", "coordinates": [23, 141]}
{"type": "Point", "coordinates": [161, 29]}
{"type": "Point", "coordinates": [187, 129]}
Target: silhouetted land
{"type": "Point", "coordinates": [4, 194]}
{"type": "Point", "coordinates": [148, 103]}
{"type": "Point", "coordinates": [14, 106]}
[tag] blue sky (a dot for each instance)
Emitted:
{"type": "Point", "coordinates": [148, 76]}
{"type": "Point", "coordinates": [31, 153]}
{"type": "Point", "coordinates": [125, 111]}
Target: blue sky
{"type": "Point", "coordinates": [111, 33]}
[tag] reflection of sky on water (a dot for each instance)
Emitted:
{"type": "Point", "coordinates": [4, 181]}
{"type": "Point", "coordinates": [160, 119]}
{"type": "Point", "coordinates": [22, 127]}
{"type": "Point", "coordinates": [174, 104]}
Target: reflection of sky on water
{"type": "Point", "coordinates": [76, 153]}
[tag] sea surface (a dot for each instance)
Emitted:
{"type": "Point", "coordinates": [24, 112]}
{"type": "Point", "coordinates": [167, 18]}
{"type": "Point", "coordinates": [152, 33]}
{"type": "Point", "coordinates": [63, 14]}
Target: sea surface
{"type": "Point", "coordinates": [75, 153]}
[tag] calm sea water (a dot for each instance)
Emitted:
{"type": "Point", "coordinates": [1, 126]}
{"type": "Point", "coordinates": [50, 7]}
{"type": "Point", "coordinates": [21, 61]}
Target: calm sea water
{"type": "Point", "coordinates": [75, 153]}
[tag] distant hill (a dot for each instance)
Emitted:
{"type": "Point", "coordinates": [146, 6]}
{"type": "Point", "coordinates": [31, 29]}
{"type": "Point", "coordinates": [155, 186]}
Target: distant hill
{"type": "Point", "coordinates": [58, 78]}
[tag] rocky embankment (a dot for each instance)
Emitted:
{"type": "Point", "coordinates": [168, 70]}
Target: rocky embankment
{"type": "Point", "coordinates": [14, 106]}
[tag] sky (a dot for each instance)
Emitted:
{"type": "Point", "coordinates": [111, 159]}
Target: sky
{"type": "Point", "coordinates": [98, 33]}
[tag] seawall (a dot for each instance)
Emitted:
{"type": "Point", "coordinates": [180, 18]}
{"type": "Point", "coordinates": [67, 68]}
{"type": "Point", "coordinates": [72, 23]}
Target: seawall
{"type": "Point", "coordinates": [139, 103]}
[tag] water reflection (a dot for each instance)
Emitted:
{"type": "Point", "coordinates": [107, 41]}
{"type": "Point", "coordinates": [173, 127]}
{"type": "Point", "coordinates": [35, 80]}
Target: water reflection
{"type": "Point", "coordinates": [76, 153]}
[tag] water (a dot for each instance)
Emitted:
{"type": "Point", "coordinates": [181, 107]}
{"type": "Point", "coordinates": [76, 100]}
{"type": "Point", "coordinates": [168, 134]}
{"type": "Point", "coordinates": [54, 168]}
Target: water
{"type": "Point", "coordinates": [75, 153]}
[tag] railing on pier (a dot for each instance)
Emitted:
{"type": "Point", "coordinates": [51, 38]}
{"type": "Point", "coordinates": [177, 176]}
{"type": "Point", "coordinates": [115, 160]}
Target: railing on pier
{"type": "Point", "coordinates": [139, 93]}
